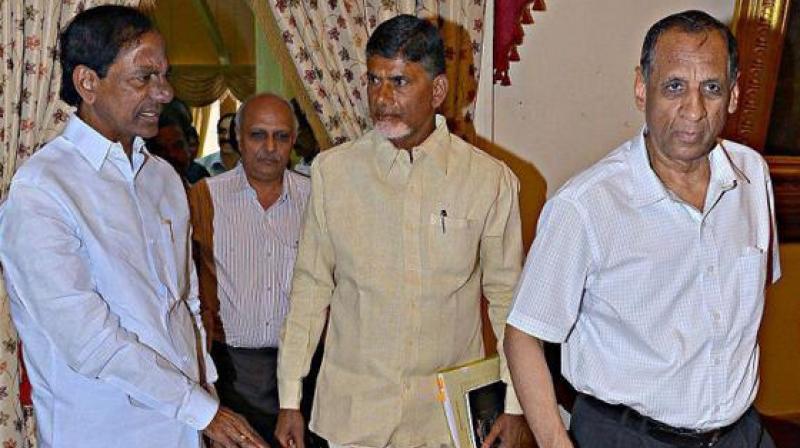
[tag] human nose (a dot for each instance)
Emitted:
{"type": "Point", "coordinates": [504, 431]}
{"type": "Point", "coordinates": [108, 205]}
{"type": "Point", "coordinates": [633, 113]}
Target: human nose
{"type": "Point", "coordinates": [384, 93]}
{"type": "Point", "coordinates": [693, 106]}
{"type": "Point", "coordinates": [271, 144]}
{"type": "Point", "coordinates": [162, 90]}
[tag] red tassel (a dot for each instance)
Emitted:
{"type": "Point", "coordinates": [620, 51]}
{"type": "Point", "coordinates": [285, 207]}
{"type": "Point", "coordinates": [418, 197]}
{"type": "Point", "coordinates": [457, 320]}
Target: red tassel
{"type": "Point", "coordinates": [25, 390]}
{"type": "Point", "coordinates": [526, 18]}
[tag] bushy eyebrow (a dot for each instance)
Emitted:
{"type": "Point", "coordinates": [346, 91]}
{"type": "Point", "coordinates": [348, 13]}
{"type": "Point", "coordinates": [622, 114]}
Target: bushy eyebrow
{"type": "Point", "coordinates": [149, 69]}
{"type": "Point", "coordinates": [392, 77]}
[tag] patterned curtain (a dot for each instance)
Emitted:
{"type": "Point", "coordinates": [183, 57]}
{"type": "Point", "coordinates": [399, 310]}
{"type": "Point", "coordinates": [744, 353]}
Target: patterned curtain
{"type": "Point", "coordinates": [30, 114]}
{"type": "Point", "coordinates": [325, 41]}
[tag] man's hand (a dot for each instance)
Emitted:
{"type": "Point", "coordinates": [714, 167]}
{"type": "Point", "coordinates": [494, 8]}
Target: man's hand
{"type": "Point", "coordinates": [512, 431]}
{"type": "Point", "coordinates": [230, 430]}
{"type": "Point", "coordinates": [290, 428]}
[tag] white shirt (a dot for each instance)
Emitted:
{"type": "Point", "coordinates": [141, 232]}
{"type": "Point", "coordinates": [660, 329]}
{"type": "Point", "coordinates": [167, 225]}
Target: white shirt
{"type": "Point", "coordinates": [95, 253]}
{"type": "Point", "coordinates": [254, 253]}
{"type": "Point", "coordinates": [213, 163]}
{"type": "Point", "coordinates": [657, 305]}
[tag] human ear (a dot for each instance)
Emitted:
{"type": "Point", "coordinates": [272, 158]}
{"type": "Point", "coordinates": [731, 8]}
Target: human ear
{"type": "Point", "coordinates": [439, 90]}
{"type": "Point", "coordinates": [733, 103]}
{"type": "Point", "coordinates": [85, 81]}
{"type": "Point", "coordinates": [640, 89]}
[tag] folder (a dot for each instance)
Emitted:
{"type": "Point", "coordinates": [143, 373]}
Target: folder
{"type": "Point", "coordinates": [472, 398]}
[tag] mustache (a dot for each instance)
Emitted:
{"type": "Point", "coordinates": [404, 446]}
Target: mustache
{"type": "Point", "coordinates": [385, 112]}
{"type": "Point", "coordinates": [268, 157]}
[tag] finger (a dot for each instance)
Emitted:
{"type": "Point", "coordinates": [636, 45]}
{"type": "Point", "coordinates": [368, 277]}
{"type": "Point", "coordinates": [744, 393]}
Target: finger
{"type": "Point", "coordinates": [238, 428]}
{"type": "Point", "coordinates": [494, 433]}
{"type": "Point", "coordinates": [298, 441]}
{"type": "Point", "coordinates": [254, 441]}
{"type": "Point", "coordinates": [222, 440]}
{"type": "Point", "coordinates": [237, 422]}
{"type": "Point", "coordinates": [282, 438]}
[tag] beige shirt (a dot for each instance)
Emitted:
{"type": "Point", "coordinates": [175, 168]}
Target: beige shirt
{"type": "Point", "coordinates": [401, 253]}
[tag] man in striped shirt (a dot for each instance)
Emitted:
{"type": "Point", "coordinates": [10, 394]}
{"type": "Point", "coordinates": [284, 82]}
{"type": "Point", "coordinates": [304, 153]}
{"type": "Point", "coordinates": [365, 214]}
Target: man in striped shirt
{"type": "Point", "coordinates": [246, 227]}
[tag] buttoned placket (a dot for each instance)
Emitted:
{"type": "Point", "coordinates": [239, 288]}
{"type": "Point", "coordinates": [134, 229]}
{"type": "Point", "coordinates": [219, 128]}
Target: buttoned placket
{"type": "Point", "coordinates": [129, 168]}
{"type": "Point", "coordinates": [408, 176]}
{"type": "Point", "coordinates": [712, 293]}
{"type": "Point", "coordinates": [268, 231]}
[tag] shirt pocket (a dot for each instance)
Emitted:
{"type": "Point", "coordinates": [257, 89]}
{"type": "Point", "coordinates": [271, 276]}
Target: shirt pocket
{"type": "Point", "coordinates": [453, 243]}
{"type": "Point", "coordinates": [286, 255]}
{"type": "Point", "coordinates": [751, 272]}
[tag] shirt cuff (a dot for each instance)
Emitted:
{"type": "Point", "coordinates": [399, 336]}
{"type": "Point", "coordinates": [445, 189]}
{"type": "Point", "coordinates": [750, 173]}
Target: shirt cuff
{"type": "Point", "coordinates": [290, 393]}
{"type": "Point", "coordinates": [199, 409]}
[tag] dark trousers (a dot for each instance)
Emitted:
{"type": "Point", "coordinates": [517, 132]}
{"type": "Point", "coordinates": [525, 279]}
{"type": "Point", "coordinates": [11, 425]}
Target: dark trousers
{"type": "Point", "coordinates": [594, 425]}
{"type": "Point", "coordinates": [248, 385]}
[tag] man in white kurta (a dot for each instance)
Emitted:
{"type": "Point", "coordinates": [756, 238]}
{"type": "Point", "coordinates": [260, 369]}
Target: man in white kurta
{"type": "Point", "coordinates": [94, 241]}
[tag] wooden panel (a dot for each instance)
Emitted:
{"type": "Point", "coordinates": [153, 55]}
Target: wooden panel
{"type": "Point", "coordinates": [760, 28]}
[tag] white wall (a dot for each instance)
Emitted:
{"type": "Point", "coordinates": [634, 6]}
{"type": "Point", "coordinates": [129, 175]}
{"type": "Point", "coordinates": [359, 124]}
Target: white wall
{"type": "Point", "coordinates": [571, 98]}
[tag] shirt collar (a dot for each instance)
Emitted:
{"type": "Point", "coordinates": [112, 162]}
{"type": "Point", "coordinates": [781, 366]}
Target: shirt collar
{"type": "Point", "coordinates": [95, 147]}
{"type": "Point", "coordinates": [246, 188]}
{"type": "Point", "coordinates": [647, 188]}
{"type": "Point", "coordinates": [434, 147]}
{"type": "Point", "coordinates": [723, 170]}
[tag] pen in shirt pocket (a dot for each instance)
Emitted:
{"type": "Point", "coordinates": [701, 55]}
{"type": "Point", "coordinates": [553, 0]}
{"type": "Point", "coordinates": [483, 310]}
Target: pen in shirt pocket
{"type": "Point", "coordinates": [442, 215]}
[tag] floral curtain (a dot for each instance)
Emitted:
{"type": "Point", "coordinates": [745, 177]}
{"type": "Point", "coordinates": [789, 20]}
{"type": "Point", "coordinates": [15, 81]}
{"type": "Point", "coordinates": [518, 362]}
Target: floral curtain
{"type": "Point", "coordinates": [325, 41]}
{"type": "Point", "coordinates": [30, 114]}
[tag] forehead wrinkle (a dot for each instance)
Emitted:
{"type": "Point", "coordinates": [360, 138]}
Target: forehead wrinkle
{"type": "Point", "coordinates": [686, 65]}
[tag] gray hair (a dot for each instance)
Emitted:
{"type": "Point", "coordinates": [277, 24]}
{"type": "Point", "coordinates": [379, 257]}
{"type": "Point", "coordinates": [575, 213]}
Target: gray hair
{"type": "Point", "coordinates": [692, 22]}
{"type": "Point", "coordinates": [237, 121]}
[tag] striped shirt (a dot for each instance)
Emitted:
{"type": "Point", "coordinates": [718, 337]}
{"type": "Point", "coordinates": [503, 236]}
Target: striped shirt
{"type": "Point", "coordinates": [249, 253]}
{"type": "Point", "coordinates": [657, 304]}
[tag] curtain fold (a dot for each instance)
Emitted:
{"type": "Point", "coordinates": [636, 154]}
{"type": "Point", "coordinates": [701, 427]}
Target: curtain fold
{"type": "Point", "coordinates": [325, 42]}
{"type": "Point", "coordinates": [201, 85]}
{"type": "Point", "coordinates": [30, 115]}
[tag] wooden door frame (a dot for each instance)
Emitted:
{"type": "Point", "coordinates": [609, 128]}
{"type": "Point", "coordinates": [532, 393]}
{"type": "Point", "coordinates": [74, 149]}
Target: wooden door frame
{"type": "Point", "coordinates": [760, 28]}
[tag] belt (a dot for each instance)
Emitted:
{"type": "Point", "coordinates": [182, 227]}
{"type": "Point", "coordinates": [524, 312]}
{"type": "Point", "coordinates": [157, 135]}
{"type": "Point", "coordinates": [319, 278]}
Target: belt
{"type": "Point", "coordinates": [682, 437]}
{"type": "Point", "coordinates": [254, 350]}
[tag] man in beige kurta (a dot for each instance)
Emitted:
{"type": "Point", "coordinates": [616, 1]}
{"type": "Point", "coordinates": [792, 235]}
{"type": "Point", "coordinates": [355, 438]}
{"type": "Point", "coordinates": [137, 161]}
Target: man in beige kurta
{"type": "Point", "coordinates": [406, 228]}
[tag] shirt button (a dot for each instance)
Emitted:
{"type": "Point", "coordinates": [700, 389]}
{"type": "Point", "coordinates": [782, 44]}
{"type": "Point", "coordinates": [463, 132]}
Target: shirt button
{"type": "Point", "coordinates": [716, 361]}
{"type": "Point", "coordinates": [710, 270]}
{"type": "Point", "coordinates": [716, 316]}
